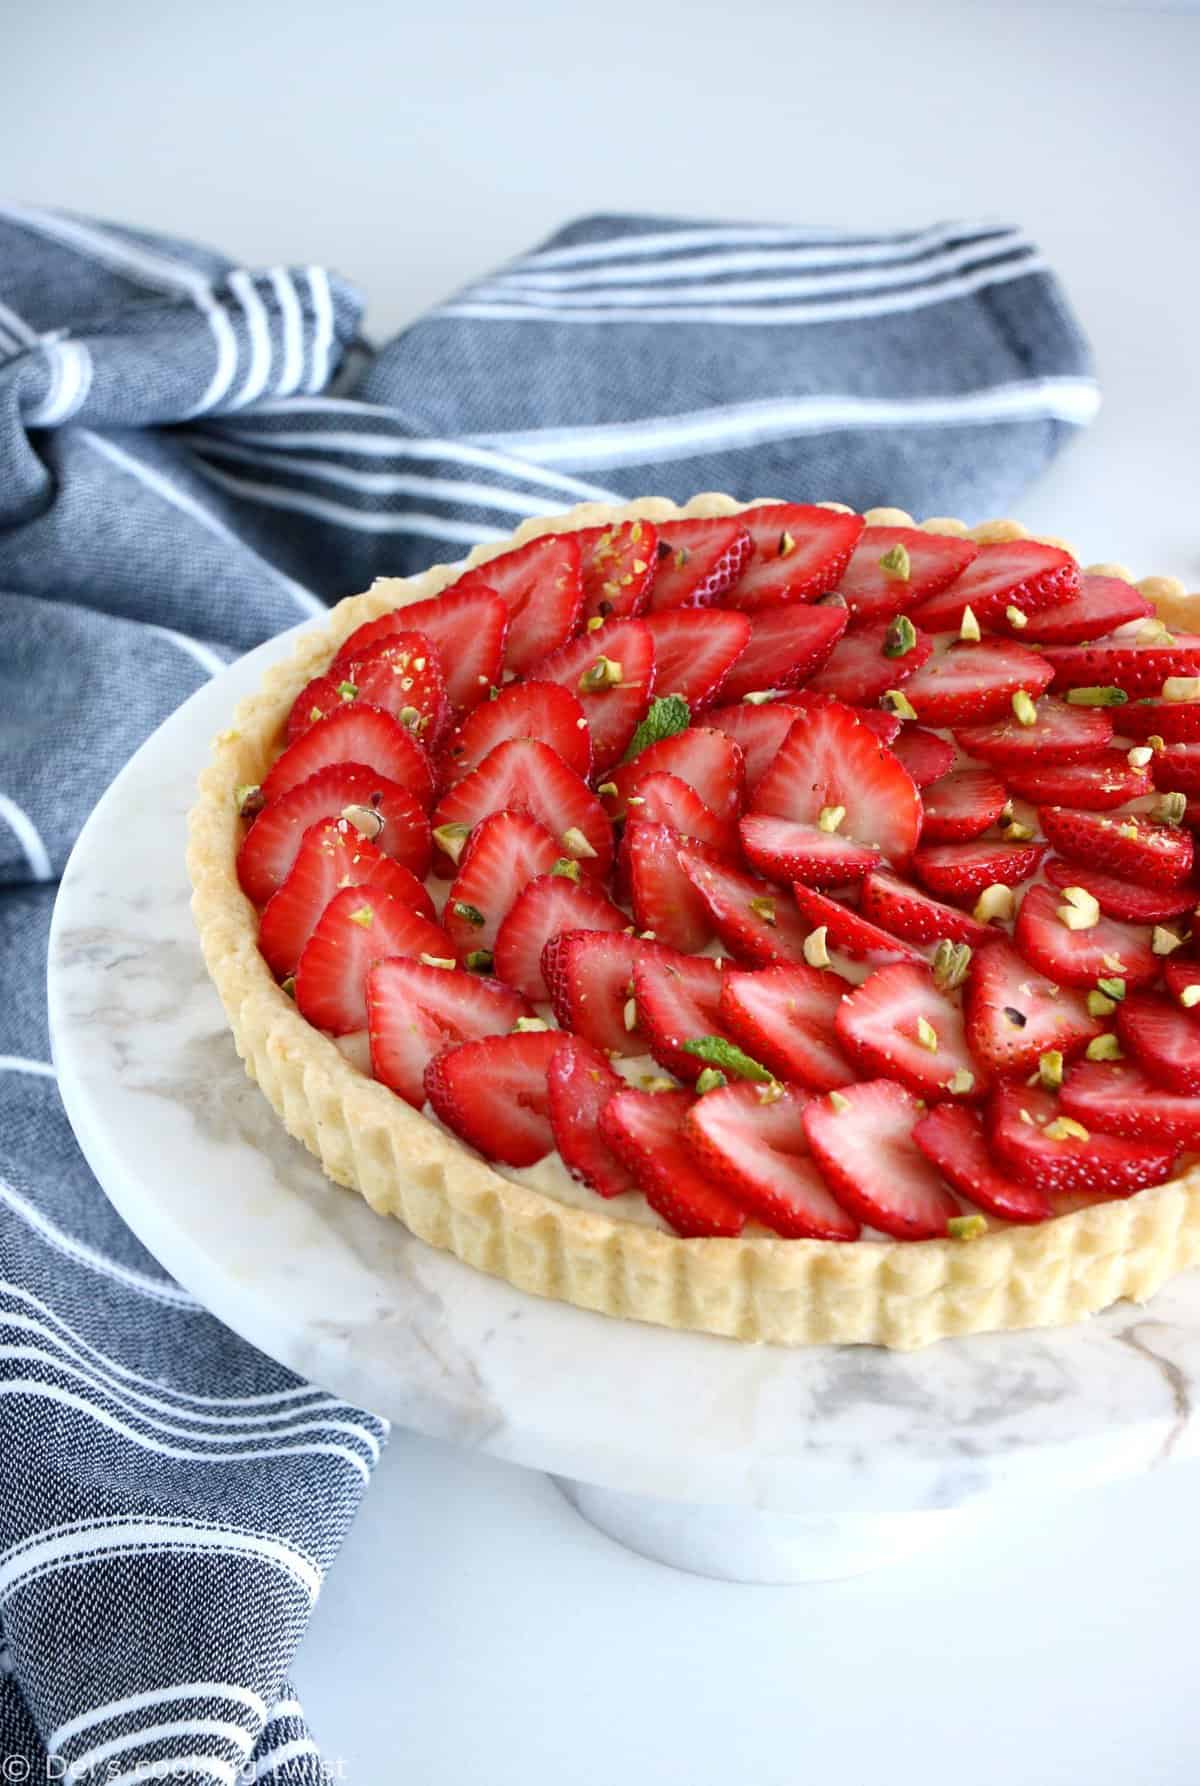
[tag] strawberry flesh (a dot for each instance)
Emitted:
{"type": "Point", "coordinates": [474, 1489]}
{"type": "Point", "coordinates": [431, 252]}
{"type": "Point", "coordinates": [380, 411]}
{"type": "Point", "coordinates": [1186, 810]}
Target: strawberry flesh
{"type": "Point", "coordinates": [897, 1025]}
{"type": "Point", "coordinates": [332, 855]}
{"type": "Point", "coordinates": [905, 911]}
{"type": "Point", "coordinates": [548, 905]}
{"type": "Point", "coordinates": [751, 1139]}
{"type": "Point", "coordinates": [525, 775]}
{"type": "Point", "coordinates": [1014, 1015]}
{"type": "Point", "coordinates": [1109, 949]}
{"type": "Point", "coordinates": [1059, 734]}
{"type": "Point", "coordinates": [925, 756]}
{"type": "Point", "coordinates": [466, 627]}
{"type": "Point", "coordinates": [623, 652]}
{"type": "Point", "coordinates": [1118, 1098]}
{"type": "Point", "coordinates": [849, 930]}
{"type": "Point", "coordinates": [962, 805]}
{"type": "Point", "coordinates": [830, 760]}
{"type": "Point", "coordinates": [971, 683]}
{"type": "Point", "coordinates": [618, 566]}
{"type": "Point", "coordinates": [402, 675]}
{"type": "Point", "coordinates": [800, 552]}
{"type": "Point", "coordinates": [758, 731]}
{"type": "Point", "coordinates": [953, 1139]}
{"type": "Point", "coordinates": [754, 919]}
{"type": "Point", "coordinates": [1101, 604]}
{"type": "Point", "coordinates": [590, 976]}
{"type": "Point", "coordinates": [504, 853]}
{"type": "Point", "coordinates": [414, 1011]}
{"type": "Point", "coordinates": [645, 1129]}
{"type": "Point", "coordinates": [1139, 669]}
{"type": "Point", "coordinates": [698, 560]}
{"type": "Point", "coordinates": [935, 560]}
{"type": "Point", "coordinates": [785, 647]}
{"type": "Point", "coordinates": [357, 928]}
{"type": "Point", "coordinates": [1123, 899]}
{"type": "Point", "coordinates": [963, 870]}
{"type": "Point", "coordinates": [1164, 1038]}
{"type": "Point", "coordinates": [665, 903]}
{"type": "Point", "coordinates": [579, 1083]}
{"type": "Point", "coordinates": [860, 668]}
{"type": "Point", "coordinates": [542, 710]}
{"type": "Point", "coordinates": [707, 760]}
{"type": "Point", "coordinates": [273, 841]}
{"type": "Point", "coordinates": [863, 1144]}
{"type": "Point", "coordinates": [664, 799]}
{"type": "Point", "coordinates": [492, 1093]}
{"type": "Point", "coordinates": [694, 651]}
{"type": "Point", "coordinates": [1020, 574]}
{"type": "Point", "coordinates": [355, 733]}
{"type": "Point", "coordinates": [1062, 1164]}
{"type": "Point", "coordinates": [541, 586]}
{"type": "Point", "coordinates": [1108, 780]}
{"type": "Point", "coordinates": [678, 1000]}
{"type": "Point", "coordinates": [785, 851]}
{"type": "Point", "coordinates": [784, 1017]}
{"type": "Point", "coordinates": [1128, 846]}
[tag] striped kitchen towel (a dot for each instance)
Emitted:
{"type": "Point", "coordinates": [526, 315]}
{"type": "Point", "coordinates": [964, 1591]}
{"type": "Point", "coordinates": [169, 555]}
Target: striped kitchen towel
{"type": "Point", "coordinates": [192, 457]}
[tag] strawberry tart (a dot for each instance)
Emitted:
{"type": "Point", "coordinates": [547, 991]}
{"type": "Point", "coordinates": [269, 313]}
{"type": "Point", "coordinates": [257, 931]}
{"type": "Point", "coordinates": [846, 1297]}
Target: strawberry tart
{"type": "Point", "coordinates": [764, 919]}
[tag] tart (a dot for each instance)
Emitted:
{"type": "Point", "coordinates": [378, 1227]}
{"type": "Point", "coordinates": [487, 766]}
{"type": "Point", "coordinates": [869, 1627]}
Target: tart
{"type": "Point", "coordinates": [755, 918]}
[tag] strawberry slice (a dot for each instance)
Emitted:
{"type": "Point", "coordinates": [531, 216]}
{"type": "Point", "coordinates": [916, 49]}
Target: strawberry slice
{"type": "Point", "coordinates": [698, 560]}
{"type": "Point", "coordinates": [786, 851]}
{"type": "Point", "coordinates": [972, 683]}
{"type": "Point", "coordinates": [1139, 667]}
{"type": "Point", "coordinates": [758, 732]}
{"type": "Point", "coordinates": [678, 1000]}
{"type": "Point", "coordinates": [1177, 768]}
{"type": "Point", "coordinates": [645, 1129]}
{"type": "Point", "coordinates": [541, 586]}
{"type": "Point", "coordinates": [403, 676]}
{"type": "Point", "coordinates": [357, 928]}
{"type": "Point", "coordinates": [1176, 722]}
{"type": "Point", "coordinates": [831, 763]}
{"type": "Point", "coordinates": [1101, 604]}
{"type": "Point", "coordinates": [783, 1017]}
{"type": "Point", "coordinates": [800, 552]}
{"type": "Point", "coordinates": [665, 903]}
{"type": "Point", "coordinates": [1180, 975]}
{"type": "Point", "coordinates": [273, 841]}
{"type": "Point", "coordinates": [492, 1093]}
{"type": "Point", "coordinates": [1128, 846]}
{"type": "Point", "coordinates": [1117, 1098]}
{"type": "Point", "coordinates": [580, 1083]}
{"type": "Point", "coordinates": [848, 930]}
{"type": "Point", "coordinates": [952, 1138]}
{"type": "Point", "coordinates": [663, 799]}
{"type": "Point", "coordinates": [525, 775]}
{"type": "Point", "coordinates": [1123, 899]}
{"type": "Point", "coordinates": [1108, 780]}
{"type": "Point", "coordinates": [862, 1140]}
{"type": "Point", "coordinates": [317, 700]}
{"type": "Point", "coordinates": [590, 976]}
{"type": "Point", "coordinates": [906, 912]}
{"type": "Point", "coordinates": [1081, 957]}
{"type": "Point", "coordinates": [897, 1025]}
{"type": "Point", "coordinates": [504, 853]}
{"type": "Point", "coordinates": [359, 734]}
{"type": "Point", "coordinates": [611, 673]}
{"type": "Point", "coordinates": [618, 566]}
{"type": "Point", "coordinates": [1020, 574]}
{"type": "Point", "coordinates": [332, 855]}
{"type": "Point", "coordinates": [885, 726]}
{"type": "Point", "coordinates": [707, 760]}
{"type": "Point", "coordinates": [861, 668]}
{"type": "Point", "coordinates": [549, 904]}
{"type": "Point", "coordinates": [786, 645]}
{"type": "Point", "coordinates": [542, 710]}
{"type": "Point", "coordinates": [961, 806]}
{"type": "Point", "coordinates": [930, 563]}
{"type": "Point", "coordinates": [467, 628]}
{"type": "Point", "coordinates": [694, 649]}
{"type": "Point", "coordinates": [751, 1139]}
{"type": "Point", "coordinates": [1015, 1015]}
{"type": "Point", "coordinates": [1022, 1130]}
{"type": "Point", "coordinates": [1059, 734]}
{"type": "Point", "coordinates": [414, 1011]}
{"type": "Point", "coordinates": [755, 920]}
{"type": "Point", "coordinates": [923, 754]}
{"type": "Point", "coordinates": [963, 870]}
{"type": "Point", "coordinates": [1164, 1038]}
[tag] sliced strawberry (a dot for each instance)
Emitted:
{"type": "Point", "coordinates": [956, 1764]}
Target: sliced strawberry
{"type": "Point", "coordinates": [860, 668]}
{"type": "Point", "coordinates": [317, 700]}
{"type": "Point", "coordinates": [590, 976]}
{"type": "Point", "coordinates": [1101, 604]}
{"type": "Point", "coordinates": [1176, 722]}
{"type": "Point", "coordinates": [862, 1141]}
{"type": "Point", "coordinates": [952, 1138]}
{"type": "Point", "coordinates": [873, 592]}
{"type": "Point", "coordinates": [493, 1094]}
{"type": "Point", "coordinates": [525, 775]}
{"type": "Point", "coordinates": [1123, 899]}
{"type": "Point", "coordinates": [786, 851]}
{"type": "Point", "coordinates": [678, 1000]}
{"type": "Point", "coordinates": [618, 566]}
{"type": "Point", "coordinates": [663, 799]}
{"type": "Point", "coordinates": [272, 843]}
{"type": "Point", "coordinates": [357, 928]}
{"type": "Point", "coordinates": [1177, 768]}
{"type": "Point", "coordinates": [467, 627]}
{"type": "Point", "coordinates": [758, 731]}
{"type": "Point", "coordinates": [751, 1139]}
{"type": "Point", "coordinates": [580, 1083]}
{"type": "Point", "coordinates": [897, 1025]}
{"type": "Point", "coordinates": [698, 560]}
{"type": "Point", "coordinates": [414, 1011]}
{"type": "Point", "coordinates": [971, 683]}
{"type": "Point", "coordinates": [505, 852]}
{"type": "Point", "coordinates": [904, 911]}
{"type": "Point", "coordinates": [1164, 1038]}
{"type": "Point", "coordinates": [848, 930]}
{"type": "Point", "coordinates": [1180, 974]}
{"type": "Point", "coordinates": [403, 676]}
{"type": "Point", "coordinates": [1020, 574]}
{"type": "Point", "coordinates": [1108, 780]}
{"type": "Point", "coordinates": [359, 734]}
{"type": "Point", "coordinates": [1118, 1098]}
{"type": "Point", "coordinates": [787, 644]}
{"type": "Point", "coordinates": [665, 903]}
{"type": "Point", "coordinates": [694, 649]}
{"type": "Point", "coordinates": [707, 760]}
{"type": "Point", "coordinates": [963, 870]}
{"type": "Point", "coordinates": [549, 904]}
{"type": "Point", "coordinates": [611, 673]}
{"type": "Point", "coordinates": [755, 920]}
{"type": "Point", "coordinates": [541, 585]}
{"type": "Point", "coordinates": [1140, 668]}
{"type": "Point", "coordinates": [543, 710]}
{"type": "Point", "coordinates": [1081, 957]}
{"type": "Point", "coordinates": [961, 806]}
{"type": "Point", "coordinates": [1015, 1015]}
{"type": "Point", "coordinates": [1128, 846]}
{"type": "Point", "coordinates": [1060, 734]}
{"type": "Point", "coordinates": [830, 760]}
{"type": "Point", "coordinates": [923, 754]}
{"type": "Point", "coordinates": [783, 1017]}
{"type": "Point", "coordinates": [800, 552]}
{"type": "Point", "coordinates": [332, 855]}
{"type": "Point", "coordinates": [1021, 1128]}
{"type": "Point", "coordinates": [645, 1129]}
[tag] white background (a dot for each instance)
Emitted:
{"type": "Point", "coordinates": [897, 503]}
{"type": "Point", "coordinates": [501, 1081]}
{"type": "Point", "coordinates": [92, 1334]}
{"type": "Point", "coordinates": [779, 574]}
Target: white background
{"type": "Point", "coordinates": [475, 1632]}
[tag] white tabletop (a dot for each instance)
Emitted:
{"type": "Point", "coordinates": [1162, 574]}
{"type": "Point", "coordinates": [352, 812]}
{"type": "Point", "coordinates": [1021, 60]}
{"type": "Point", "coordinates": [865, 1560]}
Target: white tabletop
{"type": "Point", "coordinates": [476, 1632]}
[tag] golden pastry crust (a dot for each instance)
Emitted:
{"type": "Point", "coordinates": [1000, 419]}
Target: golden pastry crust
{"type": "Point", "coordinates": [758, 1288]}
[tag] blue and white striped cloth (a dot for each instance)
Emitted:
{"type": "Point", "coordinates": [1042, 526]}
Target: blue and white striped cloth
{"type": "Point", "coordinates": [192, 457]}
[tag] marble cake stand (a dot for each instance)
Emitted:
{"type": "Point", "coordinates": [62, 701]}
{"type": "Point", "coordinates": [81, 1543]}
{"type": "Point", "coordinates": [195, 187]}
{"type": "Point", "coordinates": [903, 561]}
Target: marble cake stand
{"type": "Point", "coordinates": [748, 1463]}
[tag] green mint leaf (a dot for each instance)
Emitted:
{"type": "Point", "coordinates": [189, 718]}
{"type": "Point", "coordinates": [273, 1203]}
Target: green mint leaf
{"type": "Point", "coordinates": [668, 714]}
{"type": "Point", "coordinates": [728, 1057]}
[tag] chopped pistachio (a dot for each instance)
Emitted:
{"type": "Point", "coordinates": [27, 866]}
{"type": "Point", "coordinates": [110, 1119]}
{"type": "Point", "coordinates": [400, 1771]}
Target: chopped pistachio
{"type": "Point", "coordinates": [608, 789]}
{"type": "Point", "coordinates": [1050, 1068]}
{"type": "Point", "coordinates": [1023, 707]}
{"type": "Point", "coordinates": [566, 868]}
{"type": "Point", "coordinates": [763, 908]}
{"type": "Point", "coordinates": [446, 961]}
{"type": "Point", "coordinates": [629, 1013]}
{"type": "Point", "coordinates": [606, 672]}
{"type": "Point", "coordinates": [896, 563]}
{"type": "Point", "coordinates": [900, 638]}
{"type": "Point", "coordinates": [470, 914]}
{"type": "Point", "coordinates": [248, 798]}
{"type": "Point", "coordinates": [366, 821]}
{"type": "Point", "coordinates": [1105, 1047]}
{"type": "Point", "coordinates": [758, 697]}
{"type": "Point", "coordinates": [961, 1082]}
{"type": "Point", "coordinates": [657, 1082]}
{"type": "Point", "coordinates": [480, 960]}
{"type": "Point", "coordinates": [830, 817]}
{"type": "Point", "coordinates": [288, 986]}
{"type": "Point", "coordinates": [410, 717]}
{"type": "Point", "coordinates": [636, 800]}
{"type": "Point", "coordinates": [816, 950]}
{"type": "Point", "coordinates": [1098, 696]}
{"type": "Point", "coordinates": [950, 964]}
{"type": "Point", "coordinates": [897, 702]}
{"type": "Point", "coordinates": [1065, 1128]}
{"type": "Point", "coordinates": [996, 901]}
{"type": "Point", "coordinates": [1189, 997]}
{"type": "Point", "coordinates": [1112, 987]}
{"type": "Point", "coordinates": [1099, 1005]}
{"type": "Point", "coordinates": [927, 1036]}
{"type": "Point", "coordinates": [1154, 632]}
{"type": "Point", "coordinates": [711, 1079]}
{"type": "Point", "coordinates": [838, 1102]}
{"type": "Point", "coordinates": [575, 843]}
{"type": "Point", "coordinates": [1129, 829]}
{"type": "Point", "coordinates": [1017, 1018]}
{"type": "Point", "coordinates": [1015, 617]}
{"type": "Point", "coordinates": [1181, 688]}
{"type": "Point", "coordinates": [1157, 743]}
{"type": "Point", "coordinates": [968, 627]}
{"type": "Point", "coordinates": [529, 1026]}
{"type": "Point", "coordinates": [1170, 809]}
{"type": "Point", "coordinates": [363, 916]}
{"type": "Point", "coordinates": [347, 690]}
{"type": "Point", "coordinates": [1164, 941]}
{"type": "Point", "coordinates": [967, 1227]}
{"type": "Point", "coordinates": [786, 544]}
{"type": "Point", "coordinates": [1017, 831]}
{"type": "Point", "coordinates": [1139, 756]}
{"type": "Point", "coordinates": [595, 622]}
{"type": "Point", "coordinates": [1080, 910]}
{"type": "Point", "coordinates": [451, 839]}
{"type": "Point", "coordinates": [768, 1092]}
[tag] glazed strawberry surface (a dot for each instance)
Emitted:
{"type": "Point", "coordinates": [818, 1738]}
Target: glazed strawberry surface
{"type": "Point", "coordinates": [891, 910]}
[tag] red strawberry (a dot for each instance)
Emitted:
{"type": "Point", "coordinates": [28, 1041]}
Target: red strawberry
{"type": "Point", "coordinates": [467, 628]}
{"type": "Point", "coordinates": [961, 806]}
{"type": "Point", "coordinates": [618, 565]}
{"type": "Point", "coordinates": [860, 668]}
{"type": "Point", "coordinates": [493, 1094]}
{"type": "Point", "coordinates": [1164, 1038]}
{"type": "Point", "coordinates": [972, 683]}
{"type": "Point", "coordinates": [786, 851]}
{"type": "Point", "coordinates": [357, 928]}
{"type": "Point", "coordinates": [541, 586]}
{"type": "Point", "coordinates": [1021, 1127]}
{"type": "Point", "coordinates": [963, 870]}
{"type": "Point", "coordinates": [1123, 899]}
{"type": "Point", "coordinates": [862, 1140]}
{"type": "Point", "coordinates": [783, 1017]}
{"type": "Point", "coordinates": [402, 675]}
{"type": "Point", "coordinates": [1117, 1098]}
{"type": "Point", "coordinates": [1108, 780]}
{"type": "Point", "coordinates": [694, 649]}
{"type": "Point", "coordinates": [317, 700]}
{"type": "Point", "coordinates": [611, 672]}
{"type": "Point", "coordinates": [414, 1011]}
{"type": "Point", "coordinates": [590, 976]}
{"type": "Point", "coordinates": [1180, 974]}
{"type": "Point", "coordinates": [1138, 668]}
{"type": "Point", "coordinates": [934, 560]}
{"type": "Point", "coordinates": [785, 646]}
{"type": "Point", "coordinates": [1101, 604]}
{"type": "Point", "coordinates": [1060, 734]}
{"type": "Point", "coordinates": [848, 930]}
{"type": "Point", "coordinates": [1013, 574]}
{"type": "Point", "coordinates": [906, 912]}
{"type": "Point", "coordinates": [952, 1138]}
{"type": "Point", "coordinates": [580, 1083]}
{"type": "Point", "coordinates": [709, 761]}
{"type": "Point", "coordinates": [751, 1139]}
{"type": "Point", "coordinates": [800, 552]}
{"type": "Point", "coordinates": [1177, 722]}
{"type": "Point", "coordinates": [1128, 846]}
{"type": "Point", "coordinates": [549, 904]}
{"type": "Point", "coordinates": [830, 760]}
{"type": "Point", "coordinates": [541, 710]}
{"type": "Point", "coordinates": [756, 921]}
{"type": "Point", "coordinates": [923, 754]}
{"type": "Point", "coordinates": [1014, 1015]}
{"type": "Point", "coordinates": [645, 1130]}
{"type": "Point", "coordinates": [1177, 768]}
{"type": "Point", "coordinates": [678, 1000]}
{"type": "Point", "coordinates": [527, 776]}
{"type": "Point", "coordinates": [663, 799]}
{"type": "Point", "coordinates": [665, 903]}
{"type": "Point", "coordinates": [1081, 957]}
{"type": "Point", "coordinates": [356, 733]}
{"type": "Point", "coordinates": [899, 1026]}
{"type": "Point", "coordinates": [698, 560]}
{"type": "Point", "coordinates": [272, 843]}
{"type": "Point", "coordinates": [505, 852]}
{"type": "Point", "coordinates": [758, 731]}
{"type": "Point", "coordinates": [332, 855]}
